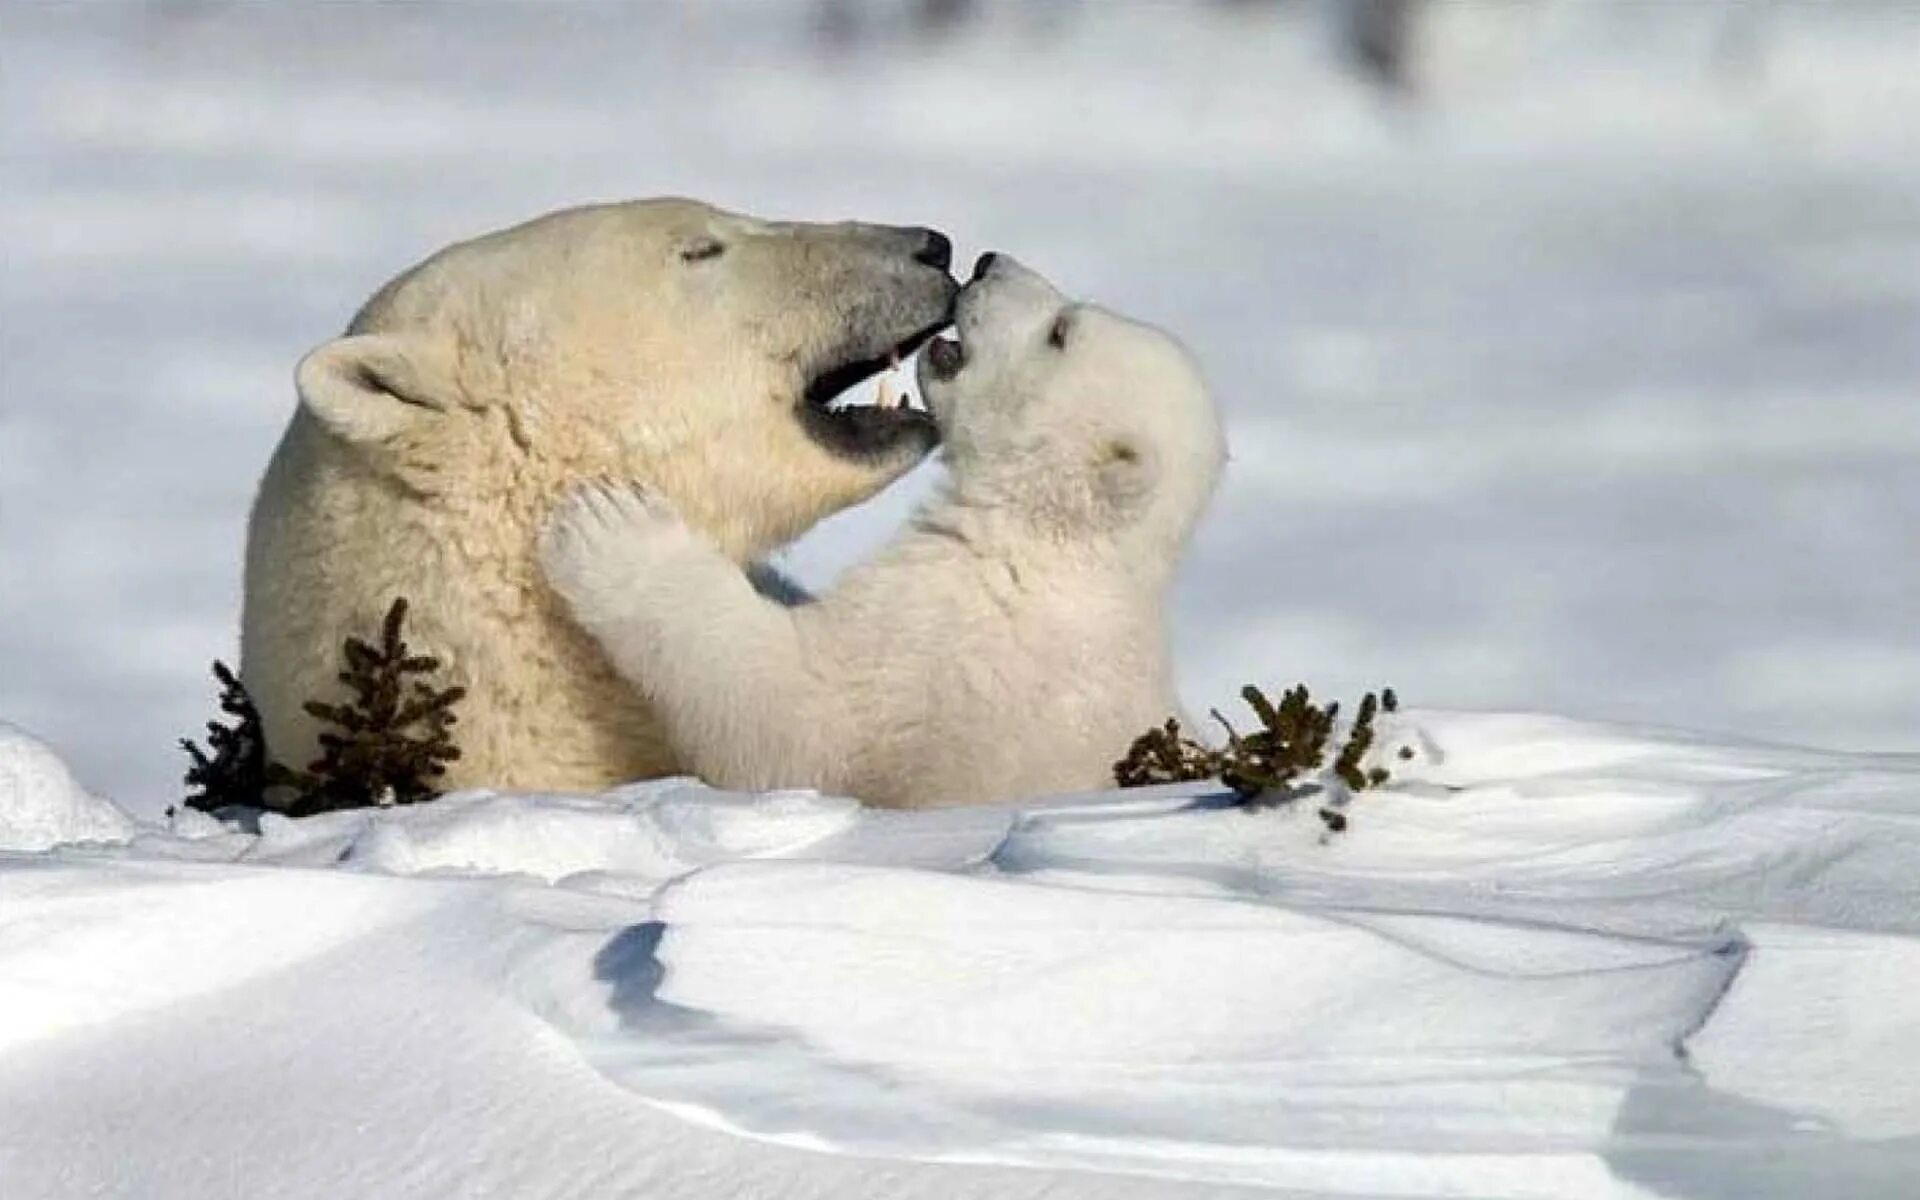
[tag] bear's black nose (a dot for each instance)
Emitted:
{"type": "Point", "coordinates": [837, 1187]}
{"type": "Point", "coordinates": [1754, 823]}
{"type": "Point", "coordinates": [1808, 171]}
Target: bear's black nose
{"type": "Point", "coordinates": [936, 249]}
{"type": "Point", "coordinates": [984, 263]}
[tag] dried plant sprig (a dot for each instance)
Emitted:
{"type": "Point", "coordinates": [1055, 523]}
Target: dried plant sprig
{"type": "Point", "coordinates": [1262, 765]}
{"type": "Point", "coordinates": [1162, 755]}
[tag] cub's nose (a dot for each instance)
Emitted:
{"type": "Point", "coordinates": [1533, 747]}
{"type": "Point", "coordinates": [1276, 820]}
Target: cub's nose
{"type": "Point", "coordinates": [984, 263]}
{"type": "Point", "coordinates": [936, 249]}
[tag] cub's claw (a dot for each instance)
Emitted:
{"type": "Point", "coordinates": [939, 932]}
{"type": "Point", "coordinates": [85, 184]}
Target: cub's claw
{"type": "Point", "coordinates": [597, 541]}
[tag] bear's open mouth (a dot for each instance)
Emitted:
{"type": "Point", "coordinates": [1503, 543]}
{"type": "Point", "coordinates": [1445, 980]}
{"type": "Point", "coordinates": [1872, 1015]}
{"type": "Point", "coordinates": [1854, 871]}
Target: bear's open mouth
{"type": "Point", "coordinates": [842, 414]}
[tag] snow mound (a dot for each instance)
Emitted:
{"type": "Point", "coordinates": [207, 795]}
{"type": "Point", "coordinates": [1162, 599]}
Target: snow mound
{"type": "Point", "coordinates": [986, 977]}
{"type": "Point", "coordinates": [1549, 960]}
{"type": "Point", "coordinates": [41, 805]}
{"type": "Point", "coordinates": [633, 838]}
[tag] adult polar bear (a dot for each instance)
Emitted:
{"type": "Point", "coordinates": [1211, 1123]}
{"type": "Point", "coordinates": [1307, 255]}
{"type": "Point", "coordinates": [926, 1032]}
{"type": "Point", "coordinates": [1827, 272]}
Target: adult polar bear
{"type": "Point", "coordinates": [1012, 641]}
{"type": "Point", "coordinates": [661, 340]}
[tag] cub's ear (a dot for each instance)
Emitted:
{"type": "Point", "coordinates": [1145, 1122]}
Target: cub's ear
{"type": "Point", "coordinates": [370, 387]}
{"type": "Point", "coordinates": [1124, 471]}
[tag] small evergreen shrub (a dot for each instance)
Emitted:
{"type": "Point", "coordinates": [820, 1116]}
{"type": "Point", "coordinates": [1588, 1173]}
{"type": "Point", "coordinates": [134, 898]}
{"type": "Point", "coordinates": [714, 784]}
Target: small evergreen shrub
{"type": "Point", "coordinates": [387, 745]}
{"type": "Point", "coordinates": [234, 769]}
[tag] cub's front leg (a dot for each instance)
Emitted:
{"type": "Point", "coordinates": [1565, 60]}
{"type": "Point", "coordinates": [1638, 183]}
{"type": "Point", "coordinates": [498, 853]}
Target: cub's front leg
{"type": "Point", "coordinates": [721, 664]}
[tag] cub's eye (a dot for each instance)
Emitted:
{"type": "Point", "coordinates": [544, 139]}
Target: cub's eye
{"type": "Point", "coordinates": [703, 249]}
{"type": "Point", "coordinates": [1057, 336]}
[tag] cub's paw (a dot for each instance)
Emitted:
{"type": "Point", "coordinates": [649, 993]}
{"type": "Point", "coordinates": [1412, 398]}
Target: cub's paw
{"type": "Point", "coordinates": [601, 537]}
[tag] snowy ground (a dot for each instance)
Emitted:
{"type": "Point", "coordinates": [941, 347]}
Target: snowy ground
{"type": "Point", "coordinates": [1588, 388]}
{"type": "Point", "coordinates": [1552, 960]}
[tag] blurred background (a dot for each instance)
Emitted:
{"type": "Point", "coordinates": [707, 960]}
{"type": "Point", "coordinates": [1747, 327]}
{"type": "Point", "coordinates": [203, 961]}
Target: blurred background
{"type": "Point", "coordinates": [1570, 351]}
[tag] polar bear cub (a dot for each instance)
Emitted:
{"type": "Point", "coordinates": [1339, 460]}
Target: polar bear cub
{"type": "Point", "coordinates": [1011, 642]}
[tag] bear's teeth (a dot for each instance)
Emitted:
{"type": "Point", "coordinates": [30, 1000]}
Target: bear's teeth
{"type": "Point", "coordinates": [902, 379]}
{"type": "Point", "coordinates": [892, 388]}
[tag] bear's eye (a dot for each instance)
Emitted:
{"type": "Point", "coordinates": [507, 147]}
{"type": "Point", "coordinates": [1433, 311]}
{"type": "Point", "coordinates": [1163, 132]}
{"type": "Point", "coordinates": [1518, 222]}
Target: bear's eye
{"type": "Point", "coordinates": [1057, 336]}
{"type": "Point", "coordinates": [703, 249]}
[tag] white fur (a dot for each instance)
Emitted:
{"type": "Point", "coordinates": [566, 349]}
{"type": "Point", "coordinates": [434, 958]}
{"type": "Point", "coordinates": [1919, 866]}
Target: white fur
{"type": "Point", "coordinates": [1010, 642]}
{"type": "Point", "coordinates": [473, 391]}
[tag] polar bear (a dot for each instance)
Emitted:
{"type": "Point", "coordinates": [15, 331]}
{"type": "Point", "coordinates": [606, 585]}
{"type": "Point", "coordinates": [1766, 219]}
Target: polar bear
{"type": "Point", "coordinates": [1011, 642]}
{"type": "Point", "coordinates": [664, 341]}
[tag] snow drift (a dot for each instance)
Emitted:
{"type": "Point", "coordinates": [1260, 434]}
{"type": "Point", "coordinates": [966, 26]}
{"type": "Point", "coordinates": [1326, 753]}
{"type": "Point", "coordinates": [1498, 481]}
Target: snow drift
{"type": "Point", "coordinates": [42, 805]}
{"type": "Point", "coordinates": [1551, 960]}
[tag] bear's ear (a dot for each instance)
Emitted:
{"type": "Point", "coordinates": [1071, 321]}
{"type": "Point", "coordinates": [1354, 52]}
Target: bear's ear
{"type": "Point", "coordinates": [1124, 470]}
{"type": "Point", "coordinates": [369, 387]}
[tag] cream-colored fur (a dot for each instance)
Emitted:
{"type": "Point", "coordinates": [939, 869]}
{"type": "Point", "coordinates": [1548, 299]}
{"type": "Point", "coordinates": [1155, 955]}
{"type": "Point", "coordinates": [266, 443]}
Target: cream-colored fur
{"type": "Point", "coordinates": [1010, 642]}
{"type": "Point", "coordinates": [663, 341]}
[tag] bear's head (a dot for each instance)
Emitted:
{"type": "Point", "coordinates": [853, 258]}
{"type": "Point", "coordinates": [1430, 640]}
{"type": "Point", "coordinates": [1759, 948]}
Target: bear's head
{"type": "Point", "coordinates": [1091, 425]}
{"type": "Point", "coordinates": [662, 340]}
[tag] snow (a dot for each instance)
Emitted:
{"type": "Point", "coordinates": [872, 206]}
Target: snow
{"type": "Point", "coordinates": [1551, 959]}
{"type": "Point", "coordinates": [40, 803]}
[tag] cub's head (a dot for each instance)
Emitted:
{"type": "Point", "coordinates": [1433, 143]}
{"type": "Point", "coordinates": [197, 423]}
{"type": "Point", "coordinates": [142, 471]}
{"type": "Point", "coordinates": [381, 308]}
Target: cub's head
{"type": "Point", "coordinates": [662, 340]}
{"type": "Point", "coordinates": [1087, 422]}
